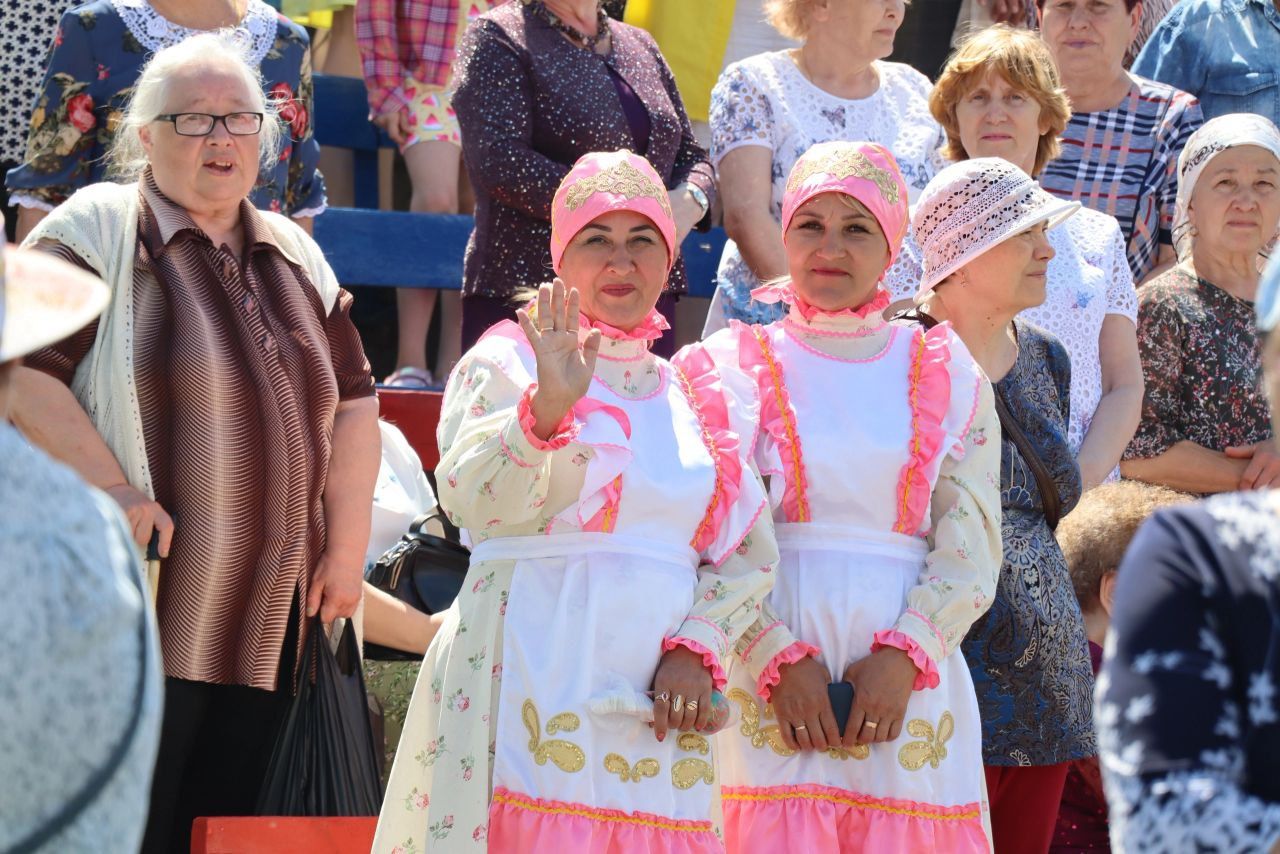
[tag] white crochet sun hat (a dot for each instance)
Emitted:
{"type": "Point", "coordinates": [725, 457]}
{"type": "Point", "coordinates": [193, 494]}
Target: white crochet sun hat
{"type": "Point", "coordinates": [43, 300]}
{"type": "Point", "coordinates": [970, 207]}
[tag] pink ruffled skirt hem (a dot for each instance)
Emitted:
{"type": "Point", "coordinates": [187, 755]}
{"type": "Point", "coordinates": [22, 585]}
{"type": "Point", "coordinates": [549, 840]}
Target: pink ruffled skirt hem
{"type": "Point", "coordinates": [823, 818]}
{"type": "Point", "coordinates": [519, 823]}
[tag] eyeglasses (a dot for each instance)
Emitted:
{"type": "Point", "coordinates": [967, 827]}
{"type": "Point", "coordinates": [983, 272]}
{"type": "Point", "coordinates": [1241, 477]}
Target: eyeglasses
{"type": "Point", "coordinates": [201, 124]}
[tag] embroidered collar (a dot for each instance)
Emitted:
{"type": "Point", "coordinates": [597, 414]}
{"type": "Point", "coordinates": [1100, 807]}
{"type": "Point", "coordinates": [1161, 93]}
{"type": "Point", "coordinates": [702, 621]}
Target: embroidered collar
{"type": "Point", "coordinates": [256, 31]}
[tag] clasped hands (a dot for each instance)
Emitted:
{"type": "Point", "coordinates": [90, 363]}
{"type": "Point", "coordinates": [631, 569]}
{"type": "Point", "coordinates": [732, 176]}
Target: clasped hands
{"type": "Point", "coordinates": [882, 682]}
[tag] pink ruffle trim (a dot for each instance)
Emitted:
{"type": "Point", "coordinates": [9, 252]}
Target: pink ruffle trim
{"type": "Point", "coordinates": [710, 660]}
{"type": "Point", "coordinates": [777, 418]}
{"type": "Point", "coordinates": [812, 817]}
{"type": "Point", "coordinates": [785, 292]}
{"type": "Point", "coordinates": [928, 676]}
{"type": "Point", "coordinates": [649, 329]}
{"type": "Point", "coordinates": [930, 397]}
{"type": "Point", "coordinates": [770, 675]}
{"type": "Point", "coordinates": [701, 383]}
{"type": "Point", "coordinates": [520, 823]}
{"type": "Point", "coordinates": [564, 433]}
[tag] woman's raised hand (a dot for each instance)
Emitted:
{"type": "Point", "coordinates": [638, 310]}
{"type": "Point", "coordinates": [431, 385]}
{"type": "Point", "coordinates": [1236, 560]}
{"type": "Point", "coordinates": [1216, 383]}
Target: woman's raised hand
{"type": "Point", "coordinates": [565, 366]}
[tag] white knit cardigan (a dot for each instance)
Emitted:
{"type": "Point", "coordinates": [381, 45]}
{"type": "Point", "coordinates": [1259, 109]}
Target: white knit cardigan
{"type": "Point", "coordinates": [99, 223]}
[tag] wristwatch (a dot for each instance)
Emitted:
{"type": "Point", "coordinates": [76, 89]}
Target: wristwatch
{"type": "Point", "coordinates": [699, 197]}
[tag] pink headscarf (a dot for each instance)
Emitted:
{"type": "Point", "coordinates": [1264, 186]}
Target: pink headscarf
{"type": "Point", "coordinates": [609, 181]}
{"type": "Point", "coordinates": [867, 172]}
{"type": "Point", "coordinates": [864, 170]}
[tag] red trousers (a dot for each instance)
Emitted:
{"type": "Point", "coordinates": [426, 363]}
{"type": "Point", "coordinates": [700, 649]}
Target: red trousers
{"type": "Point", "coordinates": [1024, 805]}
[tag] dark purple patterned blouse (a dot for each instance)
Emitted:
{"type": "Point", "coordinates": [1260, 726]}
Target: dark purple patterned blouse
{"type": "Point", "coordinates": [530, 103]}
{"type": "Point", "coordinates": [1202, 363]}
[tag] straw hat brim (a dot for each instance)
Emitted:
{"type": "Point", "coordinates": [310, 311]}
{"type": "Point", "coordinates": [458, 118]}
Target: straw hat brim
{"type": "Point", "coordinates": [1055, 213]}
{"type": "Point", "coordinates": [45, 300]}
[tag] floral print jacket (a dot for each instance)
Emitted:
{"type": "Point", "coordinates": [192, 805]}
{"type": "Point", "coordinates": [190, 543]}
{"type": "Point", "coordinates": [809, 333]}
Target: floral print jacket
{"type": "Point", "coordinates": [99, 51]}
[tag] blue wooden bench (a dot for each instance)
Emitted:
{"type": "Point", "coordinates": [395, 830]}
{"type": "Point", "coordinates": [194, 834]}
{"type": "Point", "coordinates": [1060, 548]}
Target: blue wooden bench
{"type": "Point", "coordinates": [369, 247]}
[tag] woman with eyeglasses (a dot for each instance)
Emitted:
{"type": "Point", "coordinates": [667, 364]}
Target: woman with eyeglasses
{"type": "Point", "coordinates": [224, 401]}
{"type": "Point", "coordinates": [95, 61]}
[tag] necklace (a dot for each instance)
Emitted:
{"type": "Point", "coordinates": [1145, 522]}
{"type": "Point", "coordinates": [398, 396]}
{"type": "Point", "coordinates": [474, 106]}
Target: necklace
{"type": "Point", "coordinates": [575, 35]}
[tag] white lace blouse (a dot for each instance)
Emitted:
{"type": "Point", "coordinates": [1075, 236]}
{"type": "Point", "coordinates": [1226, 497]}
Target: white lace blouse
{"type": "Point", "coordinates": [766, 101]}
{"type": "Point", "coordinates": [1089, 279]}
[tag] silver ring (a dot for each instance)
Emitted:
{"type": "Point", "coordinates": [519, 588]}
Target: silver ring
{"type": "Point", "coordinates": [663, 697]}
{"type": "Point", "coordinates": [677, 701]}
{"type": "Point", "coordinates": [691, 706]}
{"type": "Point", "coordinates": [871, 724]}
{"type": "Point", "coordinates": [799, 727]}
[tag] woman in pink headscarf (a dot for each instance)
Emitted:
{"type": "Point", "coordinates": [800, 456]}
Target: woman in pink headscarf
{"type": "Point", "coordinates": [620, 547]}
{"type": "Point", "coordinates": [881, 445]}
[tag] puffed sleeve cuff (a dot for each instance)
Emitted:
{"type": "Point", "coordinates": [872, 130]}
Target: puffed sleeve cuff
{"type": "Point", "coordinates": [758, 649]}
{"type": "Point", "coordinates": [927, 675]}
{"type": "Point", "coordinates": [770, 676]}
{"type": "Point", "coordinates": [710, 660]}
{"type": "Point", "coordinates": [563, 434]}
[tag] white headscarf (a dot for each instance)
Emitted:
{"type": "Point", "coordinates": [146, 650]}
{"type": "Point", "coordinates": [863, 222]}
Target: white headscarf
{"type": "Point", "coordinates": [1215, 137]}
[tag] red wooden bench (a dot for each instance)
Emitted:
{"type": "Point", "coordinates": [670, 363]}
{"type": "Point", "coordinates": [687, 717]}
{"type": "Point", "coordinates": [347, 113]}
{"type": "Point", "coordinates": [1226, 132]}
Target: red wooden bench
{"type": "Point", "coordinates": [415, 413]}
{"type": "Point", "coordinates": [282, 835]}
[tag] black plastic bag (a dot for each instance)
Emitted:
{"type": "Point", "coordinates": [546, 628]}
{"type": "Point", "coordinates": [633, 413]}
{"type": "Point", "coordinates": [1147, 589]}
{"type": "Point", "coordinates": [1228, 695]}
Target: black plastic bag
{"type": "Point", "coordinates": [325, 762]}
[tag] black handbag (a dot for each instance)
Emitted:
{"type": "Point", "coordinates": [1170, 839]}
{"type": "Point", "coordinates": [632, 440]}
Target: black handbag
{"type": "Point", "coordinates": [422, 570]}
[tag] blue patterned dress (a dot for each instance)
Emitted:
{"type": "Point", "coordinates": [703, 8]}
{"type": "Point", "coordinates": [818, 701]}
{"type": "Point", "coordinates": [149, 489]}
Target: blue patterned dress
{"type": "Point", "coordinates": [1029, 655]}
{"type": "Point", "coordinates": [99, 51]}
{"type": "Point", "coordinates": [1188, 710]}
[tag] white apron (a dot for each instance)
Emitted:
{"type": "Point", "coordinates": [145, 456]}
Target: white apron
{"type": "Point", "coordinates": [588, 612]}
{"type": "Point", "coordinates": [843, 577]}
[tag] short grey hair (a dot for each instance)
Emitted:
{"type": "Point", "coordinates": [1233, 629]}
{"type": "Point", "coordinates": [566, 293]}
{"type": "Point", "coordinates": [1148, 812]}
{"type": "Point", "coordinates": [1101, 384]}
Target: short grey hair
{"type": "Point", "coordinates": [127, 158]}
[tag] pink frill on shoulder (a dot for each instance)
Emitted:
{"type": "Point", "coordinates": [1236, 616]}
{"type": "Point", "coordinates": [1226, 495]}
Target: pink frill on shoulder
{"type": "Point", "coordinates": [777, 418]}
{"type": "Point", "coordinates": [929, 395]}
{"type": "Point", "coordinates": [700, 380]}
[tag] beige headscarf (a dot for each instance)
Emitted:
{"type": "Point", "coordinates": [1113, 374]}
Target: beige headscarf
{"type": "Point", "coordinates": [1215, 137]}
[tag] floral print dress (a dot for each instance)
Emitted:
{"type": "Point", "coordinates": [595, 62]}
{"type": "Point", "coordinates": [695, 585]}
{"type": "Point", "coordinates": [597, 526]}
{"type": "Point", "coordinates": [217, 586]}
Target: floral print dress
{"type": "Point", "coordinates": [1202, 365]}
{"type": "Point", "coordinates": [99, 51]}
{"type": "Point", "coordinates": [637, 527]}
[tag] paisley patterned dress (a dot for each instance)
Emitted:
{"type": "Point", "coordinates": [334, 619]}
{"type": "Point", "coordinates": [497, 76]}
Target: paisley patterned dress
{"type": "Point", "coordinates": [1029, 655]}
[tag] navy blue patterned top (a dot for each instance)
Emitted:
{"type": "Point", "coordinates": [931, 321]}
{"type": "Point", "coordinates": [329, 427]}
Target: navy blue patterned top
{"type": "Point", "coordinates": [97, 55]}
{"type": "Point", "coordinates": [1029, 655]}
{"type": "Point", "coordinates": [1188, 713]}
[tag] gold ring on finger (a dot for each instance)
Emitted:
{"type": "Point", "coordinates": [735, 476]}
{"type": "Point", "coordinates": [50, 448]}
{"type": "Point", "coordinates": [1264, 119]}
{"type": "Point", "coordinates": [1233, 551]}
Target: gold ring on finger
{"type": "Point", "coordinates": [799, 727]}
{"type": "Point", "coordinates": [678, 701]}
{"type": "Point", "coordinates": [662, 697]}
{"type": "Point", "coordinates": [691, 706]}
{"type": "Point", "coordinates": [871, 724]}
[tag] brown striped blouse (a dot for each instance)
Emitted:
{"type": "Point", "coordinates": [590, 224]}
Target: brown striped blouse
{"type": "Point", "coordinates": [239, 374]}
